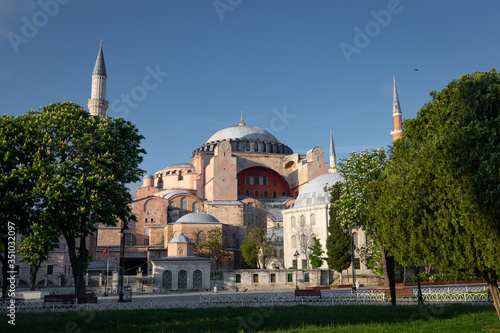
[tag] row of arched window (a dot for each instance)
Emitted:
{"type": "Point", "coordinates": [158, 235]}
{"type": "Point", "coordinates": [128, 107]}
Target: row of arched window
{"type": "Point", "coordinates": [182, 279]}
{"type": "Point", "coordinates": [184, 204]}
{"type": "Point", "coordinates": [302, 221]}
{"type": "Point", "coordinates": [265, 193]}
{"type": "Point", "coordinates": [304, 241]}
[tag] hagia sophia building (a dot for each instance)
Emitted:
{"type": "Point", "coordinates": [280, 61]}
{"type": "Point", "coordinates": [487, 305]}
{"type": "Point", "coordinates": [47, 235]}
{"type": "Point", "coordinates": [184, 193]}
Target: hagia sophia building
{"type": "Point", "coordinates": [240, 179]}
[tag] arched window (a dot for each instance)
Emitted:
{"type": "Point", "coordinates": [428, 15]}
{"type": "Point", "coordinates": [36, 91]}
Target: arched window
{"type": "Point", "coordinates": [274, 182]}
{"type": "Point", "coordinates": [202, 236]}
{"type": "Point", "coordinates": [184, 204]}
{"type": "Point", "coordinates": [176, 233]}
{"type": "Point", "coordinates": [256, 194]}
{"type": "Point", "coordinates": [239, 192]}
{"type": "Point", "coordinates": [283, 193]}
{"type": "Point", "coordinates": [247, 179]}
{"type": "Point", "coordinates": [275, 194]}
{"type": "Point", "coordinates": [303, 241]}
{"type": "Point", "coordinates": [282, 253]}
{"type": "Point", "coordinates": [197, 279]}
{"type": "Point", "coordinates": [171, 205]}
{"type": "Point", "coordinates": [266, 194]}
{"type": "Point", "coordinates": [248, 145]}
{"type": "Point", "coordinates": [294, 242]}
{"type": "Point", "coordinates": [182, 279]}
{"type": "Point", "coordinates": [302, 221]}
{"type": "Point", "coordinates": [130, 240]}
{"type": "Point", "coordinates": [196, 207]}
{"type": "Point", "coordinates": [313, 220]}
{"type": "Point", "coordinates": [293, 222]}
{"type": "Point", "coordinates": [247, 193]}
{"type": "Point", "coordinates": [240, 146]}
{"type": "Point", "coordinates": [256, 178]}
{"type": "Point", "coordinates": [264, 180]}
{"type": "Point", "coordinates": [239, 181]}
{"type": "Point", "coordinates": [181, 250]}
{"type": "Point", "coordinates": [275, 253]}
{"type": "Point", "coordinates": [167, 280]}
{"type": "Point", "coordinates": [355, 239]}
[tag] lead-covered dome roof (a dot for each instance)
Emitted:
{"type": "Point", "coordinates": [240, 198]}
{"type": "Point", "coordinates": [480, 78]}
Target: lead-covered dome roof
{"type": "Point", "coordinates": [242, 132]}
{"type": "Point", "coordinates": [197, 218]}
{"type": "Point", "coordinates": [314, 192]}
{"type": "Point", "coordinates": [244, 138]}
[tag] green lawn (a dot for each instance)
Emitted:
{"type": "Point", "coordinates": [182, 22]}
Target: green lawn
{"type": "Point", "coordinates": [449, 318]}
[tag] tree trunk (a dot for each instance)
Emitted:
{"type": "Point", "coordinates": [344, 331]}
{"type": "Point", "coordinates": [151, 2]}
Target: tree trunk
{"type": "Point", "coordinates": [341, 278]}
{"type": "Point", "coordinates": [388, 266]}
{"type": "Point", "coordinates": [493, 288]}
{"type": "Point", "coordinates": [34, 270]}
{"type": "Point", "coordinates": [77, 264]}
{"type": "Point", "coordinates": [428, 267]}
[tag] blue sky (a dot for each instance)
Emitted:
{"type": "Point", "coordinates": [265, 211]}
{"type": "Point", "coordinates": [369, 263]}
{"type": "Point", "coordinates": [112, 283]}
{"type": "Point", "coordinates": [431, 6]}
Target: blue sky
{"type": "Point", "coordinates": [295, 67]}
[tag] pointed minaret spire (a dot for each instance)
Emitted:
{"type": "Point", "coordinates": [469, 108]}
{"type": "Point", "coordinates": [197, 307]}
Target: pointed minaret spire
{"type": "Point", "coordinates": [98, 105]}
{"type": "Point", "coordinates": [242, 123]}
{"type": "Point", "coordinates": [333, 165]}
{"type": "Point", "coordinates": [396, 133]}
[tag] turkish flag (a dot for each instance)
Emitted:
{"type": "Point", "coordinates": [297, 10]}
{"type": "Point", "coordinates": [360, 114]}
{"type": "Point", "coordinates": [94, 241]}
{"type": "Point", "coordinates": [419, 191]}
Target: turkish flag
{"type": "Point", "coordinates": [105, 251]}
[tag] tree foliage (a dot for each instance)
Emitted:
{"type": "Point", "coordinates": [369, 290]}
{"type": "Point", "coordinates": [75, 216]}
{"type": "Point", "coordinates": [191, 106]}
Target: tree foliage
{"type": "Point", "coordinates": [79, 167]}
{"type": "Point", "coordinates": [256, 248]}
{"type": "Point", "coordinates": [357, 200]}
{"type": "Point", "coordinates": [338, 243]}
{"type": "Point", "coordinates": [443, 183]}
{"type": "Point", "coordinates": [35, 247]}
{"type": "Point", "coordinates": [213, 246]}
{"type": "Point", "coordinates": [316, 257]}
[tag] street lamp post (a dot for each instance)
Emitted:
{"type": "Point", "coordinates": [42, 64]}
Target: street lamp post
{"type": "Point", "coordinates": [419, 293]}
{"type": "Point", "coordinates": [123, 232]}
{"type": "Point", "coordinates": [296, 255]}
{"type": "Point", "coordinates": [214, 257]}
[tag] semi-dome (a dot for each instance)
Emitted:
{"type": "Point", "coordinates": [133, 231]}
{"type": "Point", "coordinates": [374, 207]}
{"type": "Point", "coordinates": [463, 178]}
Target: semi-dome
{"type": "Point", "coordinates": [197, 218]}
{"type": "Point", "coordinates": [314, 192]}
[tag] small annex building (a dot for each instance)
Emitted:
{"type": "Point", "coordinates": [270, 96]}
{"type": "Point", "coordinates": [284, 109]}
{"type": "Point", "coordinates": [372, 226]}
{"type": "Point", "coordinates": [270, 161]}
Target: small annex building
{"type": "Point", "coordinates": [181, 269]}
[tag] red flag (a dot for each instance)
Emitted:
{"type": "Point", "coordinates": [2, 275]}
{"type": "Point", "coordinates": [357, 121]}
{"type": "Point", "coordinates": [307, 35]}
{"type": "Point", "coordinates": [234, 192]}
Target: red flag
{"type": "Point", "coordinates": [105, 251]}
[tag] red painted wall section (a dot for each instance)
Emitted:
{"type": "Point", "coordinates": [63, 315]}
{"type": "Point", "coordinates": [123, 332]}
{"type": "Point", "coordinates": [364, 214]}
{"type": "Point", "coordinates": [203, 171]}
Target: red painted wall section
{"type": "Point", "coordinates": [272, 178]}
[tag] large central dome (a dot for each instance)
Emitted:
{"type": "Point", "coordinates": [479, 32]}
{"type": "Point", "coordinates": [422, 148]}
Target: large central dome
{"type": "Point", "coordinates": [242, 132]}
{"type": "Point", "coordinates": [246, 139]}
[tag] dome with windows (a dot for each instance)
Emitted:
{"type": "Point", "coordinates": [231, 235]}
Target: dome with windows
{"type": "Point", "coordinates": [244, 138]}
{"type": "Point", "coordinates": [314, 192]}
{"type": "Point", "coordinates": [197, 218]}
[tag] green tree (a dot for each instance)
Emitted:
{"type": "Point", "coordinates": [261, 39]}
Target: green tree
{"type": "Point", "coordinates": [18, 202]}
{"type": "Point", "coordinates": [357, 199]}
{"type": "Point", "coordinates": [216, 246]}
{"type": "Point", "coordinates": [316, 256]}
{"type": "Point", "coordinates": [338, 242]}
{"type": "Point", "coordinates": [256, 248]}
{"type": "Point", "coordinates": [81, 166]}
{"type": "Point", "coordinates": [443, 187]}
{"type": "Point", "coordinates": [35, 247]}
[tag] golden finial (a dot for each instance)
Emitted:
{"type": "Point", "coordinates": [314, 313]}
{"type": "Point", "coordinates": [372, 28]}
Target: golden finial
{"type": "Point", "coordinates": [242, 123]}
{"type": "Point", "coordinates": [101, 42]}
{"type": "Point", "coordinates": [180, 232]}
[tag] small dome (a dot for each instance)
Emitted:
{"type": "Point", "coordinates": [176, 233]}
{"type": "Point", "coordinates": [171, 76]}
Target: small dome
{"type": "Point", "coordinates": [197, 218]}
{"type": "Point", "coordinates": [180, 238]}
{"type": "Point", "coordinates": [148, 176]}
{"type": "Point", "coordinates": [242, 132]}
{"type": "Point", "coordinates": [314, 192]}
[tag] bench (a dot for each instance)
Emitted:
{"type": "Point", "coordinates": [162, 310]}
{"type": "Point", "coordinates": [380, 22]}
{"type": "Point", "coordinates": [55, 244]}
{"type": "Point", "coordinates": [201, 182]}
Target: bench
{"type": "Point", "coordinates": [70, 298]}
{"type": "Point", "coordinates": [64, 299]}
{"type": "Point", "coordinates": [313, 292]}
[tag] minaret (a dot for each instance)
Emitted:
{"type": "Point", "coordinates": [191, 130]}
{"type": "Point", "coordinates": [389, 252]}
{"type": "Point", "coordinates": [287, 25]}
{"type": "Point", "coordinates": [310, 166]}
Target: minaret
{"type": "Point", "coordinates": [396, 115]}
{"type": "Point", "coordinates": [333, 165]}
{"type": "Point", "coordinates": [98, 105]}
